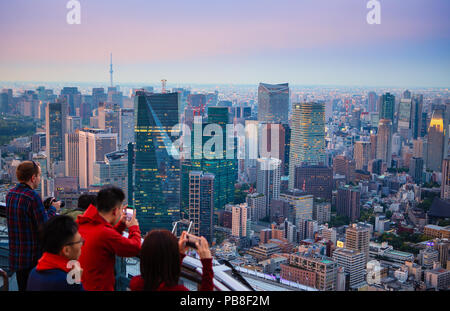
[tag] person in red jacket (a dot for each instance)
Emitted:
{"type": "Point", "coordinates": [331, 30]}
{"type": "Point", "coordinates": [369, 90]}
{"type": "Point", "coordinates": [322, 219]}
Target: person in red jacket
{"type": "Point", "coordinates": [161, 257]}
{"type": "Point", "coordinates": [102, 228]}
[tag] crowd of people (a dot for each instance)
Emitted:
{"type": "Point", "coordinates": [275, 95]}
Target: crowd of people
{"type": "Point", "coordinates": [76, 250]}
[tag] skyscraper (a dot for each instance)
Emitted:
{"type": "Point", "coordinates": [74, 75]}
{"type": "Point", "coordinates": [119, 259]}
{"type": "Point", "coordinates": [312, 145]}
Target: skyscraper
{"type": "Point", "coordinates": [316, 180]}
{"type": "Point", "coordinates": [157, 171]}
{"type": "Point", "coordinates": [387, 103]}
{"type": "Point", "coordinates": [357, 238]}
{"type": "Point", "coordinates": [308, 137]}
{"type": "Point", "coordinates": [55, 129]}
{"type": "Point", "coordinates": [416, 169]}
{"type": "Point", "coordinates": [347, 202]}
{"type": "Point", "coordinates": [72, 97]}
{"type": "Point", "coordinates": [435, 142]}
{"type": "Point", "coordinates": [372, 101]}
{"type": "Point", "coordinates": [201, 203]}
{"type": "Point", "coordinates": [384, 141]}
{"type": "Point", "coordinates": [353, 262]}
{"type": "Point", "coordinates": [72, 153]}
{"type": "Point", "coordinates": [362, 155]}
{"type": "Point", "coordinates": [273, 102]}
{"type": "Point", "coordinates": [404, 118]}
{"type": "Point", "coordinates": [94, 144]}
{"type": "Point", "coordinates": [268, 179]}
{"type": "Point", "coordinates": [344, 165]}
{"type": "Point", "coordinates": [416, 116]}
{"type": "Point", "coordinates": [445, 188]}
{"type": "Point", "coordinates": [126, 130]}
{"type": "Point", "coordinates": [240, 220]}
{"type": "Point", "coordinates": [301, 205]}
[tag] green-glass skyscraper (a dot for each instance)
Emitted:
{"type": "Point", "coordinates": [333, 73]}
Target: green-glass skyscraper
{"type": "Point", "coordinates": [224, 170]}
{"type": "Point", "coordinates": [387, 102]}
{"type": "Point", "coordinates": [156, 170]}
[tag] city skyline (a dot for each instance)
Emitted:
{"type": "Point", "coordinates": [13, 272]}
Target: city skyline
{"type": "Point", "coordinates": [197, 44]}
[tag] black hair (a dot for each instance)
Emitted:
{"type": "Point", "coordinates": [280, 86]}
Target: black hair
{"type": "Point", "coordinates": [57, 232]}
{"type": "Point", "coordinates": [108, 198]}
{"type": "Point", "coordinates": [85, 200]}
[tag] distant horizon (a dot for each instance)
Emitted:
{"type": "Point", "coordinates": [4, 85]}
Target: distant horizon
{"type": "Point", "coordinates": [323, 43]}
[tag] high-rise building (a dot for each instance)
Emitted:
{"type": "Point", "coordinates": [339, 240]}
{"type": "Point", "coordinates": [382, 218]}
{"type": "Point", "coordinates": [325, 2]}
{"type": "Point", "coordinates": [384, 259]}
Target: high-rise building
{"type": "Point", "coordinates": [126, 130]}
{"type": "Point", "coordinates": [416, 116]}
{"type": "Point", "coordinates": [372, 101]}
{"type": "Point", "coordinates": [112, 170]}
{"type": "Point", "coordinates": [240, 221]}
{"type": "Point", "coordinates": [348, 202]}
{"type": "Point", "coordinates": [55, 130]}
{"type": "Point", "coordinates": [362, 155]}
{"type": "Point", "coordinates": [72, 153]}
{"type": "Point", "coordinates": [94, 144]}
{"type": "Point", "coordinates": [316, 180]}
{"type": "Point", "coordinates": [268, 179]}
{"type": "Point", "coordinates": [357, 238]}
{"type": "Point", "coordinates": [416, 169]}
{"type": "Point", "coordinates": [445, 187]}
{"type": "Point", "coordinates": [311, 270]}
{"type": "Point", "coordinates": [435, 142]}
{"type": "Point", "coordinates": [300, 204]}
{"type": "Point", "coordinates": [273, 102]}
{"type": "Point", "coordinates": [156, 170]}
{"type": "Point", "coordinates": [387, 106]}
{"type": "Point", "coordinates": [72, 97]}
{"type": "Point", "coordinates": [224, 170]}
{"type": "Point", "coordinates": [353, 263]}
{"type": "Point", "coordinates": [322, 212]}
{"type": "Point", "coordinates": [344, 165]}
{"type": "Point", "coordinates": [404, 118]}
{"type": "Point", "coordinates": [201, 203]}
{"type": "Point", "coordinates": [257, 206]}
{"type": "Point", "coordinates": [384, 141]}
{"type": "Point", "coordinates": [308, 137]}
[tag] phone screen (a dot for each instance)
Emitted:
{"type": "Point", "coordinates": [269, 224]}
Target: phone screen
{"type": "Point", "coordinates": [129, 212]}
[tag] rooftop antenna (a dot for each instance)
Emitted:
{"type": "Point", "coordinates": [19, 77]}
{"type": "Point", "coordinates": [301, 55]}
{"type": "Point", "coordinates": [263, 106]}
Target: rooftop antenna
{"type": "Point", "coordinates": [111, 72]}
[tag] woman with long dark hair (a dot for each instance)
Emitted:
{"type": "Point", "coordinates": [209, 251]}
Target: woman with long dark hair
{"type": "Point", "coordinates": [160, 263]}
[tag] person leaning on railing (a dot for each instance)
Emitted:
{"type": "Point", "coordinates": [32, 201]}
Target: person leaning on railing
{"type": "Point", "coordinates": [25, 213]}
{"type": "Point", "coordinates": [160, 263]}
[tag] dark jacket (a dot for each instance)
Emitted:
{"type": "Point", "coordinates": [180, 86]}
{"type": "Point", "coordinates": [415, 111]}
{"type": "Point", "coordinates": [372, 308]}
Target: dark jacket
{"type": "Point", "coordinates": [50, 274]}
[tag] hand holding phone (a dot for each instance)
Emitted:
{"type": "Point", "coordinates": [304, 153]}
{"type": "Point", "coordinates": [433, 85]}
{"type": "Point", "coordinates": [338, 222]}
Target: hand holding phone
{"type": "Point", "coordinates": [129, 212]}
{"type": "Point", "coordinates": [192, 240]}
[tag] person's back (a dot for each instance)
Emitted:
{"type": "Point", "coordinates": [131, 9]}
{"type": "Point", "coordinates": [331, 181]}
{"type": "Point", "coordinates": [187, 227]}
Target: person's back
{"type": "Point", "coordinates": [25, 213]}
{"type": "Point", "coordinates": [61, 243]}
{"type": "Point", "coordinates": [84, 201]}
{"type": "Point", "coordinates": [103, 241]}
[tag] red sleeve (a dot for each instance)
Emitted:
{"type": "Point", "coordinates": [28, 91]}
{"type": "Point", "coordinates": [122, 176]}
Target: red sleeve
{"type": "Point", "coordinates": [120, 227]}
{"type": "Point", "coordinates": [126, 247]}
{"type": "Point", "coordinates": [207, 275]}
{"type": "Point", "coordinates": [136, 283]}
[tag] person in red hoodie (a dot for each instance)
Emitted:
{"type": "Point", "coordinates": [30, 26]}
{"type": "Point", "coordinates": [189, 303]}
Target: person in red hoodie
{"type": "Point", "coordinates": [102, 228]}
{"type": "Point", "coordinates": [161, 258]}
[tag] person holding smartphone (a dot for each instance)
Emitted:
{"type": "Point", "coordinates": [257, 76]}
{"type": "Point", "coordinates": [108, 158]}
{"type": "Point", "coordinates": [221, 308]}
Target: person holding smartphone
{"type": "Point", "coordinates": [161, 257]}
{"type": "Point", "coordinates": [102, 226]}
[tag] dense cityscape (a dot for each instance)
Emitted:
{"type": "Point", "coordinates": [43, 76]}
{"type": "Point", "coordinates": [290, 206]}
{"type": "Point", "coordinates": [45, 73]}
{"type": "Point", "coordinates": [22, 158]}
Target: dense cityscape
{"type": "Point", "coordinates": [250, 150]}
{"type": "Point", "coordinates": [357, 197]}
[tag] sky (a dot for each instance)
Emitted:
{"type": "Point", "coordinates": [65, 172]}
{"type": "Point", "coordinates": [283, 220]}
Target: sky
{"type": "Point", "coordinates": [303, 42]}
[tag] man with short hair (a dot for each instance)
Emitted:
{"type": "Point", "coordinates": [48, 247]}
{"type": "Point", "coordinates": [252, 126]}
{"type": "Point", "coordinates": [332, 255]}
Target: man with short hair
{"type": "Point", "coordinates": [84, 201]}
{"type": "Point", "coordinates": [61, 243]}
{"type": "Point", "coordinates": [25, 213]}
{"type": "Point", "coordinates": [102, 229]}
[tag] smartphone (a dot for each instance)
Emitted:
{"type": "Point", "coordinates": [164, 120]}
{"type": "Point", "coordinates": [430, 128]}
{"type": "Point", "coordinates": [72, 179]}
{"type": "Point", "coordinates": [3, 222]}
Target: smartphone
{"type": "Point", "coordinates": [130, 213]}
{"type": "Point", "coordinates": [191, 239]}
